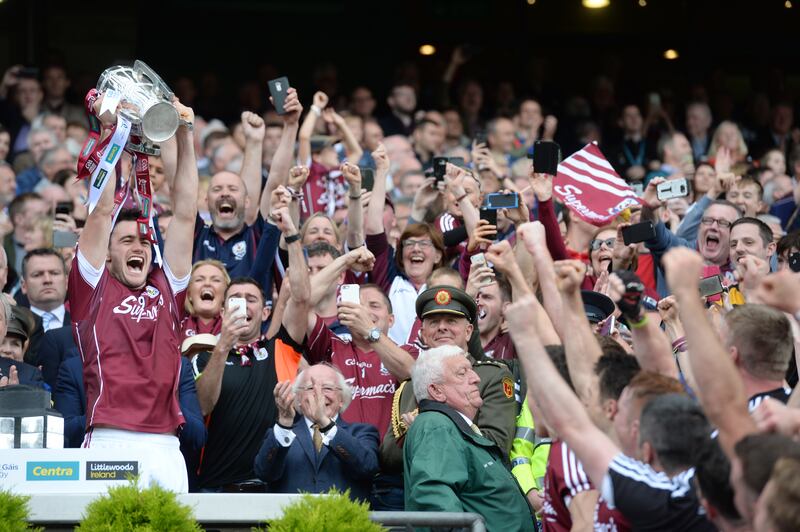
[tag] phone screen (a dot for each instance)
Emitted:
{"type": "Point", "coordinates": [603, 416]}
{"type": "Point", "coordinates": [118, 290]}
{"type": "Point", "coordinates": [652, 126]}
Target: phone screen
{"type": "Point", "coordinates": [502, 201]}
{"type": "Point", "coordinates": [711, 286]}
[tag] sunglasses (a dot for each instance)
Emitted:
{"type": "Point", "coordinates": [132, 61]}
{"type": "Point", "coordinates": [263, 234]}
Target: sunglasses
{"type": "Point", "coordinates": [596, 244]}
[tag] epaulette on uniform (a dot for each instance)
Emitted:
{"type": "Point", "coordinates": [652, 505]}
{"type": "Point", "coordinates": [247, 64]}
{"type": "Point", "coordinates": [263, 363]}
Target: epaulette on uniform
{"type": "Point", "coordinates": [490, 362]}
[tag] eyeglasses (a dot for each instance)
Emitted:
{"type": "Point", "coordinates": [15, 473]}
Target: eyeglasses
{"type": "Point", "coordinates": [722, 222]}
{"type": "Point", "coordinates": [326, 388]}
{"type": "Point", "coordinates": [423, 244]}
{"type": "Point", "coordinates": [596, 244]}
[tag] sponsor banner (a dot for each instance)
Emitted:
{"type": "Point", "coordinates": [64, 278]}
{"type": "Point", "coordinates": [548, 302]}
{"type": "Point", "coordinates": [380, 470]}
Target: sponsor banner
{"type": "Point", "coordinates": [38, 471]}
{"type": "Point", "coordinates": [111, 470]}
{"type": "Point", "coordinates": [34, 471]}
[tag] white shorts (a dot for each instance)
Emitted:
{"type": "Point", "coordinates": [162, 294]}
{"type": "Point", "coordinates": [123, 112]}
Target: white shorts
{"type": "Point", "coordinates": [164, 464]}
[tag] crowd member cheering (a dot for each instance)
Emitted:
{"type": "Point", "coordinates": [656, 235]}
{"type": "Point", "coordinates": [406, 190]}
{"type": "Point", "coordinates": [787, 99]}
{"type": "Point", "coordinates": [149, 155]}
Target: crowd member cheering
{"type": "Point", "coordinates": [317, 450]}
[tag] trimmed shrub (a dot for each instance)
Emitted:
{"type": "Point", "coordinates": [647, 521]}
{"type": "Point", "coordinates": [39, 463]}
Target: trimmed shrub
{"type": "Point", "coordinates": [335, 512]}
{"type": "Point", "coordinates": [128, 507]}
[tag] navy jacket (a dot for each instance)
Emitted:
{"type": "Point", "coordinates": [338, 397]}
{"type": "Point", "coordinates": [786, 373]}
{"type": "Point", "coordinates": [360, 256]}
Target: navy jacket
{"type": "Point", "coordinates": [70, 399]}
{"type": "Point", "coordinates": [54, 346]}
{"type": "Point", "coordinates": [350, 461]}
{"type": "Point", "coordinates": [29, 375]}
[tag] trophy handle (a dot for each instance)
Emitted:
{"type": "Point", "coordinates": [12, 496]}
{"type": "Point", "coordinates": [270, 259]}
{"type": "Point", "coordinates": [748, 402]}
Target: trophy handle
{"type": "Point", "coordinates": [142, 68]}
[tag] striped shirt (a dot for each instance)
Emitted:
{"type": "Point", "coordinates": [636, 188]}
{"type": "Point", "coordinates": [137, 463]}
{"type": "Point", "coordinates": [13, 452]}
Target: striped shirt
{"type": "Point", "coordinates": [651, 500]}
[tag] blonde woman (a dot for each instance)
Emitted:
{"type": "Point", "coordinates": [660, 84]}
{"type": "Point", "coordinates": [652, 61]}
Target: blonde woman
{"type": "Point", "coordinates": [728, 135]}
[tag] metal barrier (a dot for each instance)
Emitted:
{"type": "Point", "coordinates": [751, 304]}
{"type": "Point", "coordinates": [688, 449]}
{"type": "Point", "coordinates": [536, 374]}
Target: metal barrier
{"type": "Point", "coordinates": [409, 520]}
{"type": "Point", "coordinates": [236, 512]}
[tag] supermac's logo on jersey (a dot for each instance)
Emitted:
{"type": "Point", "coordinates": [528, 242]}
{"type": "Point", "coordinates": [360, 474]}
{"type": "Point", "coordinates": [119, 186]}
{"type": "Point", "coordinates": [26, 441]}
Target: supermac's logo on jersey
{"type": "Point", "coordinates": [52, 471]}
{"type": "Point", "coordinates": [151, 291]}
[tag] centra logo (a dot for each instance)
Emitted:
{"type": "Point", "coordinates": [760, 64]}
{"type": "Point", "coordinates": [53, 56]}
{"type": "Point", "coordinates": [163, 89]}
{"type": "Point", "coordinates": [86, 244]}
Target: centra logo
{"type": "Point", "coordinates": [52, 471]}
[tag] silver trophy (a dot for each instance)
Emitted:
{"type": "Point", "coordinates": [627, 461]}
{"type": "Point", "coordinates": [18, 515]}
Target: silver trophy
{"type": "Point", "coordinates": [150, 111]}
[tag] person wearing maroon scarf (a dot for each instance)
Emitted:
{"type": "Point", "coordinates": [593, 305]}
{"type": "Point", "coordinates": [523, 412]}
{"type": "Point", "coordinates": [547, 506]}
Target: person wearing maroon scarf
{"type": "Point", "coordinates": [204, 298]}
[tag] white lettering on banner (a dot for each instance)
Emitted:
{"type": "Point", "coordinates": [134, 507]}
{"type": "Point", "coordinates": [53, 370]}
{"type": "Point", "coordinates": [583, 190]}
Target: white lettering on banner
{"type": "Point", "coordinates": [568, 193]}
{"type": "Point", "coordinates": [377, 391]}
{"type": "Point", "coordinates": [137, 308]}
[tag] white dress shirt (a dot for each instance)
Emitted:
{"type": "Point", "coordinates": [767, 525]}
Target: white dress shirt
{"type": "Point", "coordinates": [54, 321]}
{"type": "Point", "coordinates": [286, 437]}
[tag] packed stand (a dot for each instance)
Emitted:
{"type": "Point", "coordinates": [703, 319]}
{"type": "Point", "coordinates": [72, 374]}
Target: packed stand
{"type": "Point", "coordinates": [403, 303]}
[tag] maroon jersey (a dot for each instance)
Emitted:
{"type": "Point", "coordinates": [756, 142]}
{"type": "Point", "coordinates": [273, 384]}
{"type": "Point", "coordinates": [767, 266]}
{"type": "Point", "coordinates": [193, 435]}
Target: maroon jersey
{"type": "Point", "coordinates": [192, 325]}
{"type": "Point", "coordinates": [129, 342]}
{"type": "Point", "coordinates": [373, 385]}
{"type": "Point", "coordinates": [500, 348]}
{"type": "Point", "coordinates": [563, 480]}
{"type": "Point", "coordinates": [324, 191]}
{"type": "Point", "coordinates": [447, 222]}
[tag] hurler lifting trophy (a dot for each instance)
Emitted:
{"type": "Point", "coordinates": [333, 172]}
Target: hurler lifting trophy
{"type": "Point", "coordinates": [125, 297]}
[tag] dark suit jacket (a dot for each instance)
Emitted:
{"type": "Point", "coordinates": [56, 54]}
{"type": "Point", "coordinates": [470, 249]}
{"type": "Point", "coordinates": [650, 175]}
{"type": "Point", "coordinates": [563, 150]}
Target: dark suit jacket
{"type": "Point", "coordinates": [52, 348]}
{"type": "Point", "coordinates": [32, 355]}
{"type": "Point", "coordinates": [27, 374]}
{"type": "Point", "coordinates": [70, 399]}
{"type": "Point", "coordinates": [350, 461]}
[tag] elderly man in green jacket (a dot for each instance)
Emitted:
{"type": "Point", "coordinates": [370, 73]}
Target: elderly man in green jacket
{"type": "Point", "coordinates": [449, 466]}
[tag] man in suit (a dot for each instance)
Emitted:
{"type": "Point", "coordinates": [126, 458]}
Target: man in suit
{"type": "Point", "coordinates": [44, 282]}
{"type": "Point", "coordinates": [69, 398]}
{"type": "Point", "coordinates": [53, 348]}
{"type": "Point", "coordinates": [449, 465]}
{"type": "Point", "coordinates": [317, 450]}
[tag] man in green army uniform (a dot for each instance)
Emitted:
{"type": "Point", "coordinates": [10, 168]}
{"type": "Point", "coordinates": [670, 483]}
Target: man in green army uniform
{"type": "Point", "coordinates": [449, 465]}
{"type": "Point", "coordinates": [448, 316]}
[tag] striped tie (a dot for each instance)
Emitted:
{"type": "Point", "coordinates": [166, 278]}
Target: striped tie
{"type": "Point", "coordinates": [475, 429]}
{"type": "Point", "coordinates": [48, 320]}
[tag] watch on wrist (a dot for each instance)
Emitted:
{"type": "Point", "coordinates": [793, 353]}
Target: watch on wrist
{"type": "Point", "coordinates": [373, 335]}
{"type": "Point", "coordinates": [291, 238]}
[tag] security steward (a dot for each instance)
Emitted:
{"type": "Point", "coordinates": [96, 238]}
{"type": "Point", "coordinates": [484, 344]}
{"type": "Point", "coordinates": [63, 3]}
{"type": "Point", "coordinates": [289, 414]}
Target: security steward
{"type": "Point", "coordinates": [449, 317]}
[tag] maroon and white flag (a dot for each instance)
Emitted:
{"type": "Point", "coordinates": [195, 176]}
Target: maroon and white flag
{"type": "Point", "coordinates": [587, 184]}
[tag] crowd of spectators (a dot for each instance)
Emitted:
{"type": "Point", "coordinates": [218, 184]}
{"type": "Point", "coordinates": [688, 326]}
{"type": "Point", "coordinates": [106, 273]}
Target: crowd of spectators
{"type": "Point", "coordinates": [537, 369]}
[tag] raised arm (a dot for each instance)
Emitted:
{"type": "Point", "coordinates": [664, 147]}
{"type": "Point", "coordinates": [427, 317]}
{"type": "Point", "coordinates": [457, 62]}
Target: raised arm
{"type": "Point", "coordinates": [93, 242]}
{"type": "Point", "coordinates": [562, 410]}
{"type": "Point", "coordinates": [307, 129]}
{"type": "Point", "coordinates": [719, 387]}
{"type": "Point", "coordinates": [352, 148]}
{"type": "Point", "coordinates": [355, 213]}
{"type": "Point", "coordinates": [502, 257]}
{"type": "Point", "coordinates": [254, 130]}
{"type": "Point", "coordinates": [542, 185]}
{"type": "Point", "coordinates": [454, 180]}
{"type": "Point", "coordinates": [373, 225]}
{"type": "Point", "coordinates": [179, 240]}
{"type": "Point", "coordinates": [582, 350]}
{"type": "Point", "coordinates": [295, 316]}
{"type": "Point", "coordinates": [651, 346]}
{"type": "Point", "coordinates": [284, 154]}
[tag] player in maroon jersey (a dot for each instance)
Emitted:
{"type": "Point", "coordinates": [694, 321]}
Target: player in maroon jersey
{"type": "Point", "coordinates": [126, 320]}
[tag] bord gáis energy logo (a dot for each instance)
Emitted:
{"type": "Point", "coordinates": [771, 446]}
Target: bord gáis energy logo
{"type": "Point", "coordinates": [52, 471]}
